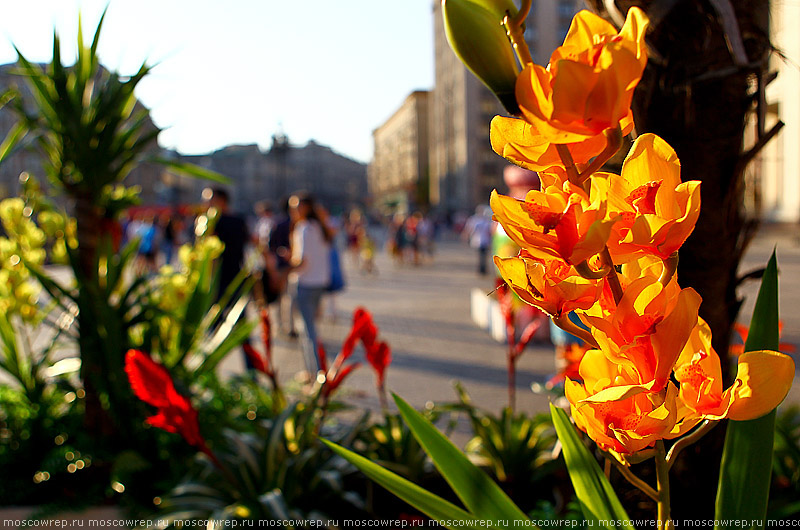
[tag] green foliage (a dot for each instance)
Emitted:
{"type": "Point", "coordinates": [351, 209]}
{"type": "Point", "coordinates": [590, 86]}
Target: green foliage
{"type": "Point", "coordinates": [279, 471]}
{"type": "Point", "coordinates": [595, 494]}
{"type": "Point", "coordinates": [516, 448]}
{"type": "Point", "coordinates": [391, 444]}
{"type": "Point", "coordinates": [785, 489]}
{"type": "Point", "coordinates": [744, 479]}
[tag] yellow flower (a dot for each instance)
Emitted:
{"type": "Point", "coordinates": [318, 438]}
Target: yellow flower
{"type": "Point", "coordinates": [520, 143]}
{"type": "Point", "coordinates": [656, 211]}
{"type": "Point", "coordinates": [589, 83]}
{"type": "Point", "coordinates": [551, 285]}
{"type": "Point", "coordinates": [763, 379]}
{"type": "Point", "coordinates": [559, 222]}
{"type": "Point", "coordinates": [647, 331]}
{"type": "Point", "coordinates": [616, 413]}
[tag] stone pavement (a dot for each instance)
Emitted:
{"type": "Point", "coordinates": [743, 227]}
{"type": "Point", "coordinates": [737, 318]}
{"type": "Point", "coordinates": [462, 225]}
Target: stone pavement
{"type": "Point", "coordinates": [424, 314]}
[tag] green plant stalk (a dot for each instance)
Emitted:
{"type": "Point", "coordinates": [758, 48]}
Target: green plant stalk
{"type": "Point", "coordinates": [516, 34]}
{"type": "Point", "coordinates": [662, 482]}
{"type": "Point", "coordinates": [582, 179]}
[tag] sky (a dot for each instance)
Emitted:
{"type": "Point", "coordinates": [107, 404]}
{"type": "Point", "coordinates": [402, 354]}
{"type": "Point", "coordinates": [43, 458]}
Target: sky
{"type": "Point", "coordinates": [238, 71]}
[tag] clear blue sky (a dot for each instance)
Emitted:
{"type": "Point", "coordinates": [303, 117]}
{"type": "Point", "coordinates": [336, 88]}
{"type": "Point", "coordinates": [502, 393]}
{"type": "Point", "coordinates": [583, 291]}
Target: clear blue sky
{"type": "Point", "coordinates": [234, 71]}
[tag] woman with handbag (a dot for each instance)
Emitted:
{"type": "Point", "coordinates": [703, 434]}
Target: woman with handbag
{"type": "Point", "coordinates": [310, 274]}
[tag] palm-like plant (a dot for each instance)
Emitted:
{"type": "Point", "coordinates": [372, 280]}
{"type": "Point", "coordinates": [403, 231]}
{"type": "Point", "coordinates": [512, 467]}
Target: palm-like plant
{"type": "Point", "coordinates": [91, 131]}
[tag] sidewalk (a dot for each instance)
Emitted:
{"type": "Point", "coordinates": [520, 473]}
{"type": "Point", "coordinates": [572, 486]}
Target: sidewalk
{"type": "Point", "coordinates": [424, 314]}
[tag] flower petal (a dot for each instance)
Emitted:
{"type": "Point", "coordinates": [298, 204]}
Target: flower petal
{"type": "Point", "coordinates": [766, 377]}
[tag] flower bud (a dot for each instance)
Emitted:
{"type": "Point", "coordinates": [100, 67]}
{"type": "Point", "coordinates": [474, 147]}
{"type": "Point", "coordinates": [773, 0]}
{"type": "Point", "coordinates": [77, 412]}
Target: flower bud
{"type": "Point", "coordinates": [475, 31]}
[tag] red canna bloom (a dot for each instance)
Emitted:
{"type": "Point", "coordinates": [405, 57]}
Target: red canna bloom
{"type": "Point", "coordinates": [338, 372]}
{"type": "Point", "coordinates": [263, 364]}
{"type": "Point", "coordinates": [152, 384]}
{"type": "Point", "coordinates": [379, 356]}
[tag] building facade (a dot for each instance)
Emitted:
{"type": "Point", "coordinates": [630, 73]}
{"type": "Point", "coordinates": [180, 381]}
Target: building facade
{"type": "Point", "coordinates": [338, 182]}
{"type": "Point", "coordinates": [463, 168]}
{"type": "Point", "coordinates": [773, 179]}
{"type": "Point", "coordinates": [398, 174]}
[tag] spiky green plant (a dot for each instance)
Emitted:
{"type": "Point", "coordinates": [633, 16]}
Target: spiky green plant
{"type": "Point", "coordinates": [91, 132]}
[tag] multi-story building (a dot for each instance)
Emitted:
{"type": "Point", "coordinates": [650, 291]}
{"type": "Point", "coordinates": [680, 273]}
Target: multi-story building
{"type": "Point", "coordinates": [773, 180]}
{"type": "Point", "coordinates": [398, 174]}
{"type": "Point", "coordinates": [335, 180]}
{"type": "Point", "coordinates": [463, 167]}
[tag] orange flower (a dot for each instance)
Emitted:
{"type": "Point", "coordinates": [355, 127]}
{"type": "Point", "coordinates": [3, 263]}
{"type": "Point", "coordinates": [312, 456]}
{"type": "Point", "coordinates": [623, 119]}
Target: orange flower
{"type": "Point", "coordinates": [657, 211]}
{"type": "Point", "coordinates": [520, 143]}
{"type": "Point", "coordinates": [763, 379]}
{"type": "Point", "coordinates": [647, 331]}
{"type": "Point", "coordinates": [614, 411]}
{"type": "Point", "coordinates": [589, 83]}
{"type": "Point", "coordinates": [551, 285]}
{"type": "Point", "coordinates": [558, 222]}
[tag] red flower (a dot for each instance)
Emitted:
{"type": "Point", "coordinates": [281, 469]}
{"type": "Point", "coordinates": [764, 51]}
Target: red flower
{"type": "Point", "coordinates": [263, 365]}
{"type": "Point", "coordinates": [379, 356]}
{"type": "Point", "coordinates": [378, 353]}
{"type": "Point", "coordinates": [338, 372]}
{"type": "Point", "coordinates": [152, 384]}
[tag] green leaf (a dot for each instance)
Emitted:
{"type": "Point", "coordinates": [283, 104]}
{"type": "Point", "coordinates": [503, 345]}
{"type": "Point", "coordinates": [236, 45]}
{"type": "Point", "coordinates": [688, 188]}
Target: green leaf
{"type": "Point", "coordinates": [15, 136]}
{"type": "Point", "coordinates": [190, 170]}
{"type": "Point", "coordinates": [598, 501]}
{"type": "Point", "coordinates": [746, 467]}
{"type": "Point", "coordinates": [479, 493]}
{"type": "Point", "coordinates": [431, 505]}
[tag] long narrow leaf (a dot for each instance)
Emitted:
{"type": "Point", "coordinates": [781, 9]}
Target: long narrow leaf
{"type": "Point", "coordinates": [598, 501]}
{"type": "Point", "coordinates": [479, 493]}
{"type": "Point", "coordinates": [14, 137]}
{"type": "Point", "coordinates": [431, 505]}
{"type": "Point", "coordinates": [190, 170]}
{"type": "Point", "coordinates": [746, 467]}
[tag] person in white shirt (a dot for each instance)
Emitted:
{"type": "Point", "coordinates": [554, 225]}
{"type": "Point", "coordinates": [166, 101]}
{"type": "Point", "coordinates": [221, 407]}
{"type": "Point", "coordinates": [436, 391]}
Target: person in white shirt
{"type": "Point", "coordinates": [310, 273]}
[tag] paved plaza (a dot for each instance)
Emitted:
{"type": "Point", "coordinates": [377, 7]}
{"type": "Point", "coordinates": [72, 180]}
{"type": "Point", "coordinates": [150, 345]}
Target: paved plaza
{"type": "Point", "coordinates": [424, 314]}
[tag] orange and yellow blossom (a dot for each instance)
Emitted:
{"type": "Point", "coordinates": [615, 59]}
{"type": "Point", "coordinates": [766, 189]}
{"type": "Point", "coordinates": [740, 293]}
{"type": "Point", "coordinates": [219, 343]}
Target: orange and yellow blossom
{"type": "Point", "coordinates": [647, 331]}
{"type": "Point", "coordinates": [551, 285]}
{"type": "Point", "coordinates": [763, 379]}
{"type": "Point", "coordinates": [616, 412]}
{"type": "Point", "coordinates": [656, 211]}
{"type": "Point", "coordinates": [520, 143]}
{"type": "Point", "coordinates": [559, 222]}
{"type": "Point", "coordinates": [589, 83]}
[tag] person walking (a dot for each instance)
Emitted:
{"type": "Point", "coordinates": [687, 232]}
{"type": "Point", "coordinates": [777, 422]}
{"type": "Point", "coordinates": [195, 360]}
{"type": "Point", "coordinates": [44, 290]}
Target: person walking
{"type": "Point", "coordinates": [479, 231]}
{"type": "Point", "coordinates": [310, 273]}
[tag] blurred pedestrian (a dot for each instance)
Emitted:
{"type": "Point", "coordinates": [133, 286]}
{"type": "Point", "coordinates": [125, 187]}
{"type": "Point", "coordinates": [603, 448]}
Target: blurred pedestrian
{"type": "Point", "coordinates": [478, 229]}
{"type": "Point", "coordinates": [231, 229]}
{"type": "Point", "coordinates": [280, 247]}
{"type": "Point", "coordinates": [310, 270]}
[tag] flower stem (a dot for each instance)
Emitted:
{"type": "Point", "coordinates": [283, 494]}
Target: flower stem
{"type": "Point", "coordinates": [613, 143]}
{"type": "Point", "coordinates": [516, 34]}
{"type": "Point", "coordinates": [613, 278]}
{"type": "Point", "coordinates": [569, 163]}
{"type": "Point", "coordinates": [569, 326]}
{"type": "Point", "coordinates": [626, 472]}
{"type": "Point", "coordinates": [688, 440]}
{"type": "Point", "coordinates": [662, 480]}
